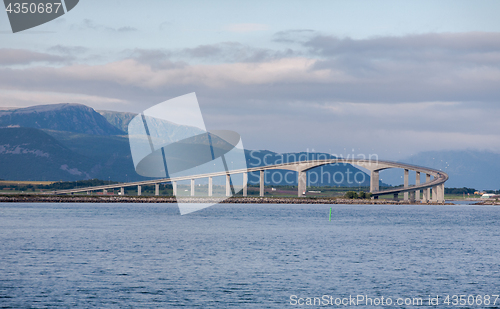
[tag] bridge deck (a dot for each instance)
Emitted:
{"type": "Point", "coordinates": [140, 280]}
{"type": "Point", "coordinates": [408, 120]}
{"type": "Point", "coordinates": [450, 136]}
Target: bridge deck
{"type": "Point", "coordinates": [300, 166]}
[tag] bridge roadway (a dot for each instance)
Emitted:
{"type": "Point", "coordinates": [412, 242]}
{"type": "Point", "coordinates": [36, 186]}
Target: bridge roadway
{"type": "Point", "coordinates": [301, 167]}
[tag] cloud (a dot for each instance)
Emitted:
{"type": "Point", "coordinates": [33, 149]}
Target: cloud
{"type": "Point", "coordinates": [233, 52]}
{"type": "Point", "coordinates": [68, 50]}
{"type": "Point", "coordinates": [30, 98]}
{"type": "Point", "coordinates": [423, 45]}
{"type": "Point", "coordinates": [395, 94]}
{"type": "Point", "coordinates": [294, 36]}
{"type": "Point", "coordinates": [135, 74]}
{"type": "Point", "coordinates": [242, 28]}
{"type": "Point", "coordinates": [393, 131]}
{"type": "Point", "coordinates": [423, 68]}
{"type": "Point", "coordinates": [126, 29]}
{"type": "Point", "coordinates": [156, 58]}
{"type": "Point", "coordinates": [10, 56]}
{"type": "Point", "coordinates": [88, 24]}
{"type": "Point", "coordinates": [460, 66]}
{"type": "Point", "coordinates": [225, 52]}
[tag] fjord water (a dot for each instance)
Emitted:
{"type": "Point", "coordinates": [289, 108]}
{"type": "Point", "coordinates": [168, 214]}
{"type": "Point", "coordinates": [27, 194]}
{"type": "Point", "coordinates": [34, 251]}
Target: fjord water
{"type": "Point", "coordinates": [241, 256]}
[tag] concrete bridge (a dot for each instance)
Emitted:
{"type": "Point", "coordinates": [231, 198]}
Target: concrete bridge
{"type": "Point", "coordinates": [436, 183]}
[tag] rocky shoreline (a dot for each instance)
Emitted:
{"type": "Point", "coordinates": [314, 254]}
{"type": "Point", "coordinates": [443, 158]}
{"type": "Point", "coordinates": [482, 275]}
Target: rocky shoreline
{"type": "Point", "coordinates": [169, 199]}
{"type": "Point", "coordinates": [488, 202]}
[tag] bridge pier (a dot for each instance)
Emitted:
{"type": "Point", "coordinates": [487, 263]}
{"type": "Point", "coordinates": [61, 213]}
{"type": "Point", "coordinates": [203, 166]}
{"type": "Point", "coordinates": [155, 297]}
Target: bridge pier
{"type": "Point", "coordinates": [302, 183]}
{"type": "Point", "coordinates": [122, 191]}
{"type": "Point", "coordinates": [192, 187]}
{"type": "Point", "coordinates": [412, 196]}
{"type": "Point", "coordinates": [261, 189]}
{"type": "Point", "coordinates": [245, 183]}
{"type": "Point", "coordinates": [417, 182]}
{"type": "Point", "coordinates": [139, 190]}
{"type": "Point", "coordinates": [104, 192]}
{"type": "Point", "coordinates": [434, 194]}
{"type": "Point", "coordinates": [406, 184]}
{"type": "Point", "coordinates": [157, 189]}
{"type": "Point", "coordinates": [440, 195]}
{"type": "Point", "coordinates": [210, 186]}
{"type": "Point", "coordinates": [228, 185]}
{"type": "Point", "coordinates": [174, 187]}
{"type": "Point", "coordinates": [427, 192]}
{"type": "Point", "coordinates": [374, 181]}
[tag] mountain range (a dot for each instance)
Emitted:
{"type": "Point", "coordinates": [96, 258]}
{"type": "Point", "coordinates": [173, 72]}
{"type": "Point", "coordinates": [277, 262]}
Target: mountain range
{"type": "Point", "coordinates": [74, 142]}
{"type": "Point", "coordinates": [67, 117]}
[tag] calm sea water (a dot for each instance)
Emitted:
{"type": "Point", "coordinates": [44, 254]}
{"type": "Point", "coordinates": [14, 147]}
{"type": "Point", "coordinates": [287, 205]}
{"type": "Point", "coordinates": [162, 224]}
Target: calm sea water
{"type": "Point", "coordinates": [242, 256]}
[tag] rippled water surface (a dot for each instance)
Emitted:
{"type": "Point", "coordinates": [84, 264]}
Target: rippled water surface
{"type": "Point", "coordinates": [241, 256]}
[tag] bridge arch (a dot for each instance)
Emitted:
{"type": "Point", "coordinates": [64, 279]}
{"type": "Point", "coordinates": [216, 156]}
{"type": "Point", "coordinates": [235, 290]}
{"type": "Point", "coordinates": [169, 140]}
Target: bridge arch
{"type": "Point", "coordinates": [437, 183]}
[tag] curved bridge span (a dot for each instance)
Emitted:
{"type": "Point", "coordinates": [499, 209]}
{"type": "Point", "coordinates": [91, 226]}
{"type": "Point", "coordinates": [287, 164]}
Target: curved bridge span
{"type": "Point", "coordinates": [436, 183]}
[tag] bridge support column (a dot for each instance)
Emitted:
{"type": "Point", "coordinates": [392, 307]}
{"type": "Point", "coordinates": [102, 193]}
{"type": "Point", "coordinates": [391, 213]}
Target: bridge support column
{"type": "Point", "coordinates": [105, 192]}
{"type": "Point", "coordinates": [374, 181]}
{"type": "Point", "coordinates": [122, 191]}
{"type": "Point", "coordinates": [302, 183]}
{"type": "Point", "coordinates": [157, 189]}
{"type": "Point", "coordinates": [406, 184]}
{"type": "Point", "coordinates": [228, 185]}
{"type": "Point", "coordinates": [417, 182]}
{"type": "Point", "coordinates": [174, 187]}
{"type": "Point", "coordinates": [210, 186]}
{"type": "Point", "coordinates": [139, 190]}
{"type": "Point", "coordinates": [192, 187]}
{"type": "Point", "coordinates": [412, 196]}
{"type": "Point", "coordinates": [261, 189]}
{"type": "Point", "coordinates": [427, 179]}
{"type": "Point", "coordinates": [245, 184]}
{"type": "Point", "coordinates": [441, 193]}
{"type": "Point", "coordinates": [88, 192]}
{"type": "Point", "coordinates": [434, 194]}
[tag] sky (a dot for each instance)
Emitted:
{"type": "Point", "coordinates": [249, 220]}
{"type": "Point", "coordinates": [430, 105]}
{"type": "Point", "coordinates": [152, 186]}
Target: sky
{"type": "Point", "coordinates": [391, 78]}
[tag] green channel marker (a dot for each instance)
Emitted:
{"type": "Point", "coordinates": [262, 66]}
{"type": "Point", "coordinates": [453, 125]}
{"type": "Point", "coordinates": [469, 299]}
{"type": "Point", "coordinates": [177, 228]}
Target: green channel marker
{"type": "Point", "coordinates": [330, 217]}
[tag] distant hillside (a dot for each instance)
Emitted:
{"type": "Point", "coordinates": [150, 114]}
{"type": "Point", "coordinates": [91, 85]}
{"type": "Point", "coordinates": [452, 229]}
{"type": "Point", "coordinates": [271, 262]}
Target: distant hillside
{"type": "Point", "coordinates": [61, 117]}
{"type": "Point", "coordinates": [30, 154]}
{"type": "Point", "coordinates": [165, 130]}
{"type": "Point", "coordinates": [118, 119]}
{"type": "Point", "coordinates": [110, 155]}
